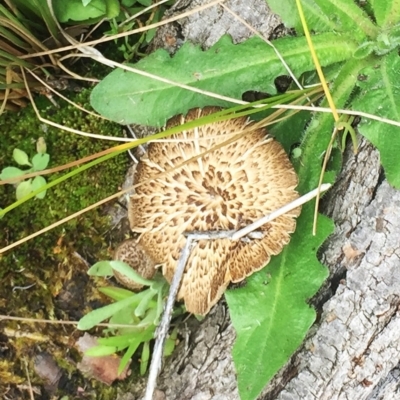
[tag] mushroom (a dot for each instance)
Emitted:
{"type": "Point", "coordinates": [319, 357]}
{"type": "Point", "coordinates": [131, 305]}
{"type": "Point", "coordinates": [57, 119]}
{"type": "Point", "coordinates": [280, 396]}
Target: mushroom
{"type": "Point", "coordinates": [225, 189]}
{"type": "Point", "coordinates": [132, 253]}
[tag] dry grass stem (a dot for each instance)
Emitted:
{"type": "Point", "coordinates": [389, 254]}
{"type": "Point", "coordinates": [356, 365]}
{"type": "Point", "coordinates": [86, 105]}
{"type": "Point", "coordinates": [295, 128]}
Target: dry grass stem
{"type": "Point", "coordinates": [123, 34]}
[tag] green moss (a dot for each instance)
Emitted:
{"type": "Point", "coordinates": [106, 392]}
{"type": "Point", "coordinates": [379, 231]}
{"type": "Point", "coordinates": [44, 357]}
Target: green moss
{"type": "Point", "coordinates": [48, 260]}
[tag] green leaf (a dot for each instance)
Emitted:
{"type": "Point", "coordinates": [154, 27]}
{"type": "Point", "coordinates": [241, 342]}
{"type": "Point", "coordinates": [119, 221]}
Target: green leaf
{"type": "Point", "coordinates": [364, 50]}
{"type": "Point", "coordinates": [144, 336]}
{"type": "Point", "coordinates": [126, 97]}
{"type": "Point", "coordinates": [20, 157]}
{"type": "Point", "coordinates": [380, 95]}
{"type": "Point", "coordinates": [145, 357]}
{"type": "Point", "coordinates": [145, 303]}
{"type": "Point", "coordinates": [99, 351]}
{"type": "Point", "coordinates": [74, 10]}
{"type": "Point", "coordinates": [258, 315]}
{"type": "Point", "coordinates": [270, 314]}
{"type": "Point", "coordinates": [347, 16]}
{"type": "Point", "coordinates": [119, 341]}
{"type": "Point", "coordinates": [37, 183]}
{"type": "Point", "coordinates": [116, 293]}
{"type": "Point", "coordinates": [101, 268]}
{"type": "Point", "coordinates": [326, 16]}
{"type": "Point", "coordinates": [127, 270]}
{"type": "Point", "coordinates": [96, 316]}
{"type": "Point", "coordinates": [112, 8]}
{"type": "Point", "coordinates": [287, 10]}
{"type": "Point", "coordinates": [40, 161]}
{"type": "Point", "coordinates": [23, 189]}
{"type": "Point", "coordinates": [11, 172]}
{"type": "Point", "coordinates": [386, 12]}
{"type": "Point", "coordinates": [318, 133]}
{"type": "Point", "coordinates": [145, 3]}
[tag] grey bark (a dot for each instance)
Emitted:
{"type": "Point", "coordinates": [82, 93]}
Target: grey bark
{"type": "Point", "coordinates": [353, 351]}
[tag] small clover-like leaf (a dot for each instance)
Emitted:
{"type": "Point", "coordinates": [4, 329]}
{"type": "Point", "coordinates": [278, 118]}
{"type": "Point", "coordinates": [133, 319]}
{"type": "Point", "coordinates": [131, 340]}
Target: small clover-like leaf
{"type": "Point", "coordinates": [23, 189]}
{"type": "Point", "coordinates": [20, 157]}
{"type": "Point", "coordinates": [40, 161]}
{"type": "Point", "coordinates": [37, 183]}
{"type": "Point", "coordinates": [11, 172]}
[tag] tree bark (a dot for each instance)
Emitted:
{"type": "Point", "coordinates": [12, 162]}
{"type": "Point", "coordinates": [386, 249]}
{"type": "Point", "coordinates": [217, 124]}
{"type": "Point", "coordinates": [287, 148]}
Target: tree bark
{"type": "Point", "coordinates": [353, 350]}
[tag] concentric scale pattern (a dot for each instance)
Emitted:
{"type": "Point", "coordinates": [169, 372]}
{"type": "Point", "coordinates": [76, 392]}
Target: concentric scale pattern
{"type": "Point", "coordinates": [227, 188]}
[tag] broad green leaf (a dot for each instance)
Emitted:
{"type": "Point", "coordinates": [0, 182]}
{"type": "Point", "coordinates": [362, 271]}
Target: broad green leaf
{"type": "Point", "coordinates": [126, 97]}
{"type": "Point", "coordinates": [386, 12]}
{"type": "Point", "coordinates": [23, 189]}
{"type": "Point", "coordinates": [348, 17]}
{"type": "Point", "coordinates": [282, 331]}
{"type": "Point", "coordinates": [37, 183]}
{"type": "Point", "coordinates": [326, 16]}
{"type": "Point", "coordinates": [316, 19]}
{"type": "Point", "coordinates": [380, 95]}
{"type": "Point", "coordinates": [74, 10]}
{"type": "Point", "coordinates": [96, 316]}
{"type": "Point", "coordinates": [40, 161]}
{"type": "Point", "coordinates": [270, 314]}
{"type": "Point", "coordinates": [11, 172]}
{"type": "Point", "coordinates": [20, 157]}
{"type": "Point", "coordinates": [112, 8]}
{"type": "Point", "coordinates": [145, 3]}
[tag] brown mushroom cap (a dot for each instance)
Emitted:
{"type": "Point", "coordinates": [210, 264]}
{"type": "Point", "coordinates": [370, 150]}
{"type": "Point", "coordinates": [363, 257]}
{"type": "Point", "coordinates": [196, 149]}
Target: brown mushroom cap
{"type": "Point", "coordinates": [135, 256]}
{"type": "Point", "coordinates": [225, 189]}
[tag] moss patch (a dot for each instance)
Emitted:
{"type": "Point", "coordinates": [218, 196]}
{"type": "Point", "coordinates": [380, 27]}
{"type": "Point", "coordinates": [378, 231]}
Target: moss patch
{"type": "Point", "coordinates": [53, 262]}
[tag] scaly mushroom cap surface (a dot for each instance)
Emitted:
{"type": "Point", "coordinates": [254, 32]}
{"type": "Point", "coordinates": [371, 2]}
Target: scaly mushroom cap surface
{"type": "Point", "coordinates": [137, 258]}
{"type": "Point", "coordinates": [228, 188]}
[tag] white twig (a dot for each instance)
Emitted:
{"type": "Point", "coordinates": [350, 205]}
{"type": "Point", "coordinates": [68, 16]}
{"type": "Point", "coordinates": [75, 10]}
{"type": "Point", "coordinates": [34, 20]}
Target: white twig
{"type": "Point", "coordinates": [163, 328]}
{"type": "Point", "coordinates": [283, 210]}
{"type": "Point", "coordinates": [210, 235]}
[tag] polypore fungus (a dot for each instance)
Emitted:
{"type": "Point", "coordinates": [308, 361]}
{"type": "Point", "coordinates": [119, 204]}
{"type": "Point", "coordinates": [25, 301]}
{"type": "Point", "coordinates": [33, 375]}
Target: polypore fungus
{"type": "Point", "coordinates": [225, 189]}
